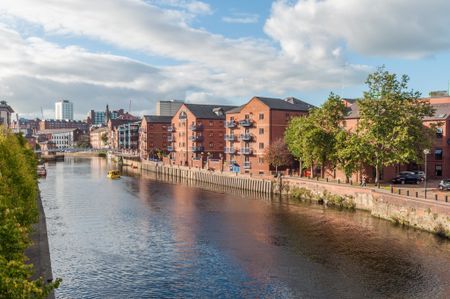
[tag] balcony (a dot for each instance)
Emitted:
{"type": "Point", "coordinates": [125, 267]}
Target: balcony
{"type": "Point", "coordinates": [247, 165]}
{"type": "Point", "coordinates": [196, 127]}
{"type": "Point", "coordinates": [246, 151]}
{"type": "Point", "coordinates": [170, 129]}
{"type": "Point", "coordinates": [246, 122]}
{"type": "Point", "coordinates": [230, 137]}
{"type": "Point", "coordinates": [170, 138]}
{"type": "Point", "coordinates": [170, 148]}
{"type": "Point", "coordinates": [195, 138]}
{"type": "Point", "coordinates": [230, 124]}
{"type": "Point", "coordinates": [246, 137]}
{"type": "Point", "coordinates": [197, 149]}
{"type": "Point", "coordinates": [229, 150]}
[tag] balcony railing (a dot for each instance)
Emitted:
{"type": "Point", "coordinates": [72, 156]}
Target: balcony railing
{"type": "Point", "coordinates": [246, 137]}
{"type": "Point", "coordinates": [195, 138]}
{"type": "Point", "coordinates": [170, 129]}
{"type": "Point", "coordinates": [247, 165]}
{"type": "Point", "coordinates": [246, 151]}
{"type": "Point", "coordinates": [229, 150]}
{"type": "Point", "coordinates": [230, 137]}
{"type": "Point", "coordinates": [230, 124]}
{"type": "Point", "coordinates": [196, 127]}
{"type": "Point", "coordinates": [170, 148]}
{"type": "Point", "coordinates": [170, 138]}
{"type": "Point", "coordinates": [246, 122]}
{"type": "Point", "coordinates": [196, 149]}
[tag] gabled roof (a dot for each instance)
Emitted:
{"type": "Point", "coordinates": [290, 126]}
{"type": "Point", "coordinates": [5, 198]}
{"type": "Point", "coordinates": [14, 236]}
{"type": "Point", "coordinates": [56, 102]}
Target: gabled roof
{"type": "Point", "coordinates": [290, 103]}
{"type": "Point", "coordinates": [158, 118]}
{"type": "Point", "coordinates": [207, 111]}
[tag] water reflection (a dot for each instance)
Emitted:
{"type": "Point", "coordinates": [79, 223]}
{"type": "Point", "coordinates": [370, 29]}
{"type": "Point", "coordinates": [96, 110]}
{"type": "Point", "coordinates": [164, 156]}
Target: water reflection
{"type": "Point", "coordinates": [145, 236]}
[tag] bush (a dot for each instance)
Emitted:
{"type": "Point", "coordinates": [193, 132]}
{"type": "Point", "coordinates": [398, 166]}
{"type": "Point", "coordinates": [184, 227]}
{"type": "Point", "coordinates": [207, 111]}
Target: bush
{"type": "Point", "coordinates": [18, 211]}
{"type": "Point", "coordinates": [334, 200]}
{"type": "Point", "coordinates": [301, 193]}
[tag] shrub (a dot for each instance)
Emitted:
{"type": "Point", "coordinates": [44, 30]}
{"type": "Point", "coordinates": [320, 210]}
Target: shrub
{"type": "Point", "coordinates": [301, 193]}
{"type": "Point", "coordinates": [18, 211]}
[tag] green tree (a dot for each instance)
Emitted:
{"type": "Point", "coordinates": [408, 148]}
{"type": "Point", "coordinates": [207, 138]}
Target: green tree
{"type": "Point", "coordinates": [312, 139]}
{"type": "Point", "coordinates": [391, 121]}
{"type": "Point", "coordinates": [18, 211]}
{"type": "Point", "coordinates": [277, 154]}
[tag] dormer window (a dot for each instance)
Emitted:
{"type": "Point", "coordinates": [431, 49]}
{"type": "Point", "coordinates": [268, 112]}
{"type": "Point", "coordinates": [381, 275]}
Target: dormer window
{"type": "Point", "coordinates": [439, 132]}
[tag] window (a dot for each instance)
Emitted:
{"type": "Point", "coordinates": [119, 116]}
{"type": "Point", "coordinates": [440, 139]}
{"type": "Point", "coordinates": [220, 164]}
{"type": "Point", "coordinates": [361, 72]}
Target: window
{"type": "Point", "coordinates": [211, 134]}
{"type": "Point", "coordinates": [438, 154]}
{"type": "Point", "coordinates": [439, 132]}
{"type": "Point", "coordinates": [261, 131]}
{"type": "Point", "coordinates": [261, 116]}
{"type": "Point", "coordinates": [261, 145]}
{"type": "Point", "coordinates": [261, 160]}
{"type": "Point", "coordinates": [211, 145]}
{"type": "Point", "coordinates": [438, 170]}
{"type": "Point", "coordinates": [211, 123]}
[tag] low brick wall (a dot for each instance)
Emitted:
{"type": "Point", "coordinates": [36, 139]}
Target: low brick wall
{"type": "Point", "coordinates": [425, 214]}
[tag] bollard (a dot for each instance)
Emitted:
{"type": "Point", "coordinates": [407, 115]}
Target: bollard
{"type": "Point", "coordinates": [351, 183]}
{"type": "Point", "coordinates": [317, 178]}
{"type": "Point", "coordinates": [399, 191]}
{"type": "Point", "coordinates": [446, 198]}
{"type": "Point", "coordinates": [417, 194]}
{"type": "Point", "coordinates": [435, 197]}
{"type": "Point", "coordinates": [392, 189]}
{"type": "Point", "coordinates": [327, 180]}
{"type": "Point", "coordinates": [339, 181]}
{"type": "Point", "coordinates": [407, 192]}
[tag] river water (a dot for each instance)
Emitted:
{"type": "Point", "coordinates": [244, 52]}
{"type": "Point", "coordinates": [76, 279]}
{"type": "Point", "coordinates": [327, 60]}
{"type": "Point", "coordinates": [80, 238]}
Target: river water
{"type": "Point", "coordinates": [141, 237]}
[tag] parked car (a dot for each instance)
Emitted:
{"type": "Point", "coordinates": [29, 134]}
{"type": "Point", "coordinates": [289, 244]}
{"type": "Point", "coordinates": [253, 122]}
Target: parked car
{"type": "Point", "coordinates": [444, 185]}
{"type": "Point", "coordinates": [420, 174]}
{"type": "Point", "coordinates": [406, 177]}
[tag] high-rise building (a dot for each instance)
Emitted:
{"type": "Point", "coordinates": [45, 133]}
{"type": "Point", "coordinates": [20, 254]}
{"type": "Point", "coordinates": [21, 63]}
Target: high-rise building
{"type": "Point", "coordinates": [96, 117]}
{"type": "Point", "coordinates": [168, 108]}
{"type": "Point", "coordinates": [63, 110]}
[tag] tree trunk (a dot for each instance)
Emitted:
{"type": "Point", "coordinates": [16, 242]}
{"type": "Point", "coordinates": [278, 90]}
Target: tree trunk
{"type": "Point", "coordinates": [301, 168]}
{"type": "Point", "coordinates": [377, 174]}
{"type": "Point", "coordinates": [276, 170]}
{"type": "Point", "coordinates": [312, 171]}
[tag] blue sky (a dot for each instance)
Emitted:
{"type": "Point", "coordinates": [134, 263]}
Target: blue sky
{"type": "Point", "coordinates": [114, 51]}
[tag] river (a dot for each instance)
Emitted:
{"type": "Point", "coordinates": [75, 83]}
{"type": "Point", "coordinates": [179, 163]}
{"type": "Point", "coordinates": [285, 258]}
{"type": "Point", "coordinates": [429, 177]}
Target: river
{"type": "Point", "coordinates": [140, 237]}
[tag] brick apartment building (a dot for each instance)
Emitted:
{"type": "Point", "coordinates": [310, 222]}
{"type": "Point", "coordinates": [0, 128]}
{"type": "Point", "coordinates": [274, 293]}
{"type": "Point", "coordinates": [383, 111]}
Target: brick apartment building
{"type": "Point", "coordinates": [97, 139]}
{"type": "Point", "coordinates": [252, 127]}
{"type": "Point", "coordinates": [438, 161]}
{"type": "Point", "coordinates": [153, 134]}
{"type": "Point", "coordinates": [50, 124]}
{"type": "Point", "coordinates": [197, 133]}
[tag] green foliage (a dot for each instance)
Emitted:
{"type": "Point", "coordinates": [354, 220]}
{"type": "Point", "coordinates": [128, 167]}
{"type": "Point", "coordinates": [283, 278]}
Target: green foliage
{"type": "Point", "coordinates": [334, 200]}
{"type": "Point", "coordinates": [301, 193]}
{"type": "Point", "coordinates": [313, 139]}
{"type": "Point", "coordinates": [391, 121]}
{"type": "Point", "coordinates": [18, 211]}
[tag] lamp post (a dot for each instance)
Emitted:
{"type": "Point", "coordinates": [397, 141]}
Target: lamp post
{"type": "Point", "coordinates": [426, 152]}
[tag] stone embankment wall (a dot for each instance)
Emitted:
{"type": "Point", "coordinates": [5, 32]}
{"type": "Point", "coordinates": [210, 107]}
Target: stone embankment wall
{"type": "Point", "coordinates": [425, 214]}
{"type": "Point", "coordinates": [205, 176]}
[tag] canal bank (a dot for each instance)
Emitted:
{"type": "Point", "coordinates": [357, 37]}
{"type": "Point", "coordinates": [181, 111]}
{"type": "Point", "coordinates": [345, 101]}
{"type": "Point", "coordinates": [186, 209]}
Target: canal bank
{"type": "Point", "coordinates": [39, 253]}
{"type": "Point", "coordinates": [424, 214]}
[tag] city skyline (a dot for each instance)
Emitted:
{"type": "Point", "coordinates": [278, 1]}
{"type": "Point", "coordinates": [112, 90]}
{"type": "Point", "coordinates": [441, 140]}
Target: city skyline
{"type": "Point", "coordinates": [210, 51]}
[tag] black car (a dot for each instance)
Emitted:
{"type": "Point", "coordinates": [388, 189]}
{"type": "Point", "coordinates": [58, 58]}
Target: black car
{"type": "Point", "coordinates": [406, 178]}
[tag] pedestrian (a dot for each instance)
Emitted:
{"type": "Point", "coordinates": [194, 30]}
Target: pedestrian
{"type": "Point", "coordinates": [363, 181]}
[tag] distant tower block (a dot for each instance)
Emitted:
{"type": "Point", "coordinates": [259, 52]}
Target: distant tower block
{"type": "Point", "coordinates": [168, 108]}
{"type": "Point", "coordinates": [63, 110]}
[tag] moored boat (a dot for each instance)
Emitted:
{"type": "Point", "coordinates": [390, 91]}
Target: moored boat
{"type": "Point", "coordinates": [41, 171]}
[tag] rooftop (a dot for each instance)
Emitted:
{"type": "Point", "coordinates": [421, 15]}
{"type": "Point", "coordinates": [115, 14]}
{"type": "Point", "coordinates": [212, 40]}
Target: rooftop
{"type": "Point", "coordinates": [289, 103]}
{"type": "Point", "coordinates": [158, 118]}
{"type": "Point", "coordinates": [4, 106]}
{"type": "Point", "coordinates": [57, 131]}
{"type": "Point", "coordinates": [208, 111]}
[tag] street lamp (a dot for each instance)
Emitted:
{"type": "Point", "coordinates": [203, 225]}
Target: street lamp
{"type": "Point", "coordinates": [426, 152]}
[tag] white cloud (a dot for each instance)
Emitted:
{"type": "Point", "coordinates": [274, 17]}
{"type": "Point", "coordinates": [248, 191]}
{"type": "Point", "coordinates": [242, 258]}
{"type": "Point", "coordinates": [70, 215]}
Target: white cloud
{"type": "Point", "coordinates": [400, 28]}
{"type": "Point", "coordinates": [36, 71]}
{"type": "Point", "coordinates": [241, 18]}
